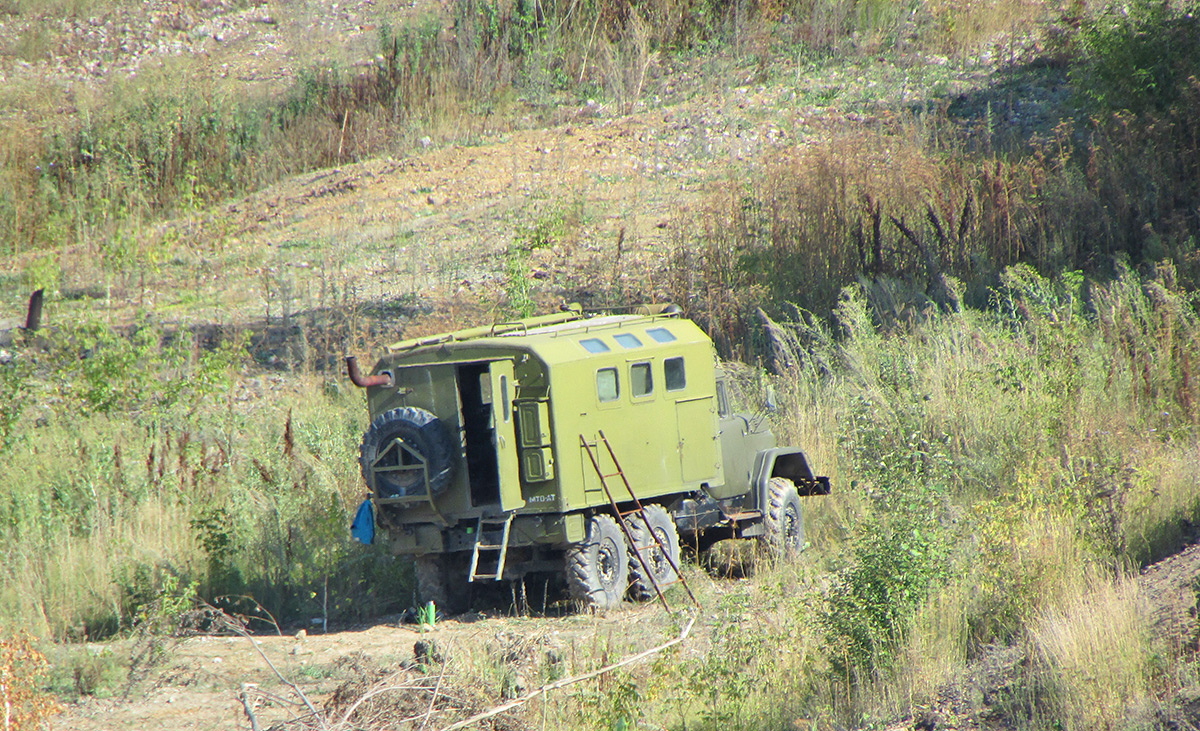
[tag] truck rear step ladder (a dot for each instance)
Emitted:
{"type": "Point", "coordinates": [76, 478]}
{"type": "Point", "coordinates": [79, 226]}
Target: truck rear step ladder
{"type": "Point", "coordinates": [638, 511]}
{"type": "Point", "coordinates": [500, 549]}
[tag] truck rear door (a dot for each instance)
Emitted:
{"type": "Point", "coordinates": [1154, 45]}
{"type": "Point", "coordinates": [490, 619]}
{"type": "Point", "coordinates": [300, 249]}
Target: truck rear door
{"type": "Point", "coordinates": [504, 434]}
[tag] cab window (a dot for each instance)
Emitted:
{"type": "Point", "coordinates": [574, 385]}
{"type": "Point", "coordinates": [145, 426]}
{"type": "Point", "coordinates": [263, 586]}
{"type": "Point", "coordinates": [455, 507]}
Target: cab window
{"type": "Point", "coordinates": [641, 380]}
{"type": "Point", "coordinates": [722, 399]}
{"type": "Point", "coordinates": [607, 387]}
{"type": "Point", "coordinates": [674, 374]}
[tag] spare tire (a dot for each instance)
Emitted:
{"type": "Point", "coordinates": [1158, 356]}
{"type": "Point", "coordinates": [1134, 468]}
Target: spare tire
{"type": "Point", "coordinates": [423, 433]}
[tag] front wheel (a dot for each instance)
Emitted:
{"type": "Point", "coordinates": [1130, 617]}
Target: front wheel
{"type": "Point", "coordinates": [597, 568]}
{"type": "Point", "coordinates": [782, 519]}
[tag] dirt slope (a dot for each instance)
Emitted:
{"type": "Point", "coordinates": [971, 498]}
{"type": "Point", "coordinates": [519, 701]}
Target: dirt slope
{"type": "Point", "coordinates": [259, 43]}
{"type": "Point", "coordinates": [1171, 586]}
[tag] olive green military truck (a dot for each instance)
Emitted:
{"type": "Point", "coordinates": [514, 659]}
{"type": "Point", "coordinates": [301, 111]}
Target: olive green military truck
{"type": "Point", "coordinates": [582, 445]}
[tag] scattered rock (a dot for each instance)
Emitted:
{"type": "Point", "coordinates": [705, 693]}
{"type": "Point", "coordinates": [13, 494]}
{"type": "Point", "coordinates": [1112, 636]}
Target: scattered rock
{"type": "Point", "coordinates": [427, 652]}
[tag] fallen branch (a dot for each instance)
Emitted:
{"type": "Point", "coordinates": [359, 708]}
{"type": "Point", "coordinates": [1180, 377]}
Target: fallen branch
{"type": "Point", "coordinates": [239, 628]}
{"type": "Point", "coordinates": [247, 704]}
{"type": "Point", "coordinates": [571, 681]}
{"type": "Point", "coordinates": [295, 688]}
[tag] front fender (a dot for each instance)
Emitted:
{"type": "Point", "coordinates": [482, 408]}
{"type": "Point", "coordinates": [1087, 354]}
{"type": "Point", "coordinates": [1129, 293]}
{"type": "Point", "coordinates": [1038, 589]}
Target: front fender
{"type": "Point", "coordinates": [790, 463]}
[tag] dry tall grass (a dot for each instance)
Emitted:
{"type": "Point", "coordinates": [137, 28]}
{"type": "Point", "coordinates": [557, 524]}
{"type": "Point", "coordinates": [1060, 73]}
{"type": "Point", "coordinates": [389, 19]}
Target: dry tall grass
{"type": "Point", "coordinates": [1098, 653]}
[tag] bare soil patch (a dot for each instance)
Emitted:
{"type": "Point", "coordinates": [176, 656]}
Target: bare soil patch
{"type": "Point", "coordinates": [200, 682]}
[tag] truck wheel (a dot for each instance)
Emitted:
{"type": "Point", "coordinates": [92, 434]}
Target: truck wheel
{"type": "Point", "coordinates": [598, 568]}
{"type": "Point", "coordinates": [425, 434]}
{"type": "Point", "coordinates": [437, 583]}
{"type": "Point", "coordinates": [641, 587]}
{"type": "Point", "coordinates": [783, 520]}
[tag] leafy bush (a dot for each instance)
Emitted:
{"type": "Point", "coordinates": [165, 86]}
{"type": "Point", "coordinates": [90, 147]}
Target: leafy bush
{"type": "Point", "coordinates": [1140, 56]}
{"type": "Point", "coordinates": [898, 556]}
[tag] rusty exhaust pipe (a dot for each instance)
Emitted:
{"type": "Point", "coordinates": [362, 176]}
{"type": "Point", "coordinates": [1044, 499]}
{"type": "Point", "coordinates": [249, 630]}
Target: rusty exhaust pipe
{"type": "Point", "coordinates": [358, 379]}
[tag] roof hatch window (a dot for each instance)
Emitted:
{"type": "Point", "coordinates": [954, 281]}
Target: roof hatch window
{"type": "Point", "coordinates": [661, 334]}
{"type": "Point", "coordinates": [627, 340]}
{"type": "Point", "coordinates": [594, 345]}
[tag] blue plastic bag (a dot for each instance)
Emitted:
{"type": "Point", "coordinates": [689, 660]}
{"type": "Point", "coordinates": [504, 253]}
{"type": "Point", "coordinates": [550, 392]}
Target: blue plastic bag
{"type": "Point", "coordinates": [363, 527]}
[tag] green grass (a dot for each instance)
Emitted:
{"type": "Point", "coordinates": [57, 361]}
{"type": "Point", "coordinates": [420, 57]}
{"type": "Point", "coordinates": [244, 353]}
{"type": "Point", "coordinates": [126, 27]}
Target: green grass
{"type": "Point", "coordinates": [187, 474]}
{"type": "Point", "coordinates": [1035, 451]}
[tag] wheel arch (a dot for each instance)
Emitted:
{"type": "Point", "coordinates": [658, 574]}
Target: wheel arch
{"type": "Point", "coordinates": [790, 463]}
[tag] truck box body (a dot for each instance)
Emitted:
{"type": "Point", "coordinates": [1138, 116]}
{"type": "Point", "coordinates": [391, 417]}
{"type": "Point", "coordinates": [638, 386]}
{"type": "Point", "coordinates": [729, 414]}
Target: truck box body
{"type": "Point", "coordinates": [519, 402]}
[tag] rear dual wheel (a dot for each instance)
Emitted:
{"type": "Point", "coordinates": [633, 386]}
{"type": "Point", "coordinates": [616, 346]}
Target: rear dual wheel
{"type": "Point", "coordinates": [660, 563]}
{"type": "Point", "coordinates": [598, 568]}
{"type": "Point", "coordinates": [603, 567]}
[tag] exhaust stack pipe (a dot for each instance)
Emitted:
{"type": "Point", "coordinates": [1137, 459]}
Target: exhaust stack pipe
{"type": "Point", "coordinates": [358, 379]}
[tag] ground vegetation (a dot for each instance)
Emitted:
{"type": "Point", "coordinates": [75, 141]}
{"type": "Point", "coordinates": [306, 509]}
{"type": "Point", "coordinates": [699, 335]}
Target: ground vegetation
{"type": "Point", "coordinates": [958, 240]}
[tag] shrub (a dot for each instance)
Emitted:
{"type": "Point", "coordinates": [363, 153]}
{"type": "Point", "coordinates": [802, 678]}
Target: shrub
{"type": "Point", "coordinates": [1140, 56]}
{"type": "Point", "coordinates": [899, 555]}
{"type": "Point", "coordinates": [22, 670]}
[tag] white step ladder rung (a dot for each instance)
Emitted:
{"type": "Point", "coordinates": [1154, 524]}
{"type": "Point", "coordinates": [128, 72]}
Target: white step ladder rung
{"type": "Point", "coordinates": [500, 548]}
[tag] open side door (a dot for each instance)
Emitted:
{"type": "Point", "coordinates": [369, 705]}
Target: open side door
{"type": "Point", "coordinates": [504, 434]}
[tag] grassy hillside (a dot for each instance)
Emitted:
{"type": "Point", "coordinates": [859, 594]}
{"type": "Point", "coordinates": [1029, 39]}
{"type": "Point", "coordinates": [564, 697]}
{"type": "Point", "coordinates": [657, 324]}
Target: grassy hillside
{"type": "Point", "coordinates": [958, 237]}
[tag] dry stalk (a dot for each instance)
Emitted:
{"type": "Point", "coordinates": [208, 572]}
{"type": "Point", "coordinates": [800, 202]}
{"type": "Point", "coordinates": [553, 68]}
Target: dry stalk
{"type": "Point", "coordinates": [571, 681]}
{"type": "Point", "coordinates": [244, 697]}
{"type": "Point", "coordinates": [591, 41]}
{"type": "Point", "coordinates": [433, 698]}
